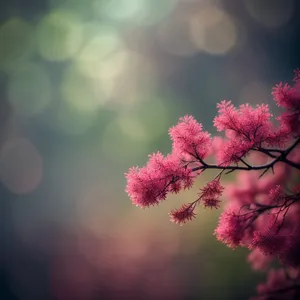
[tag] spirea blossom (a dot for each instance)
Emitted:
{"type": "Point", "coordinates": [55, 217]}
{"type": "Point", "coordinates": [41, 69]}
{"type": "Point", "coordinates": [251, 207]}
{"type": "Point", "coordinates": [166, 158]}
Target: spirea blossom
{"type": "Point", "coordinates": [183, 214]}
{"type": "Point", "coordinates": [278, 287]}
{"type": "Point", "coordinates": [269, 243]}
{"type": "Point", "coordinates": [276, 194]}
{"type": "Point", "coordinates": [189, 139]}
{"type": "Point", "coordinates": [258, 260]}
{"type": "Point", "coordinates": [262, 206]}
{"type": "Point", "coordinates": [248, 123]}
{"type": "Point", "coordinates": [148, 185]}
{"type": "Point", "coordinates": [246, 128]}
{"type": "Point", "coordinates": [291, 254]}
{"type": "Point", "coordinates": [211, 193]}
{"type": "Point", "coordinates": [288, 97]}
{"type": "Point", "coordinates": [230, 229]}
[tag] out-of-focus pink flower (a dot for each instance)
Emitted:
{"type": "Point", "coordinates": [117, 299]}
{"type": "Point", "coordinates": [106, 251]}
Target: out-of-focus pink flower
{"type": "Point", "coordinates": [230, 229]}
{"type": "Point", "coordinates": [278, 286]}
{"type": "Point", "coordinates": [258, 260]}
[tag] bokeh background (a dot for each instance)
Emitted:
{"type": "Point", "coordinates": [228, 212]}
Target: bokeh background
{"type": "Point", "coordinates": [89, 89]}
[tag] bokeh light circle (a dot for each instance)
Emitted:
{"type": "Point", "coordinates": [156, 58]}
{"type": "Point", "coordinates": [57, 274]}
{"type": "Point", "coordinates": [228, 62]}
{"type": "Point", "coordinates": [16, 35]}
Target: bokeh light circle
{"type": "Point", "coordinates": [103, 56]}
{"type": "Point", "coordinates": [29, 89]}
{"type": "Point", "coordinates": [79, 91]}
{"type": "Point", "coordinates": [213, 31]}
{"type": "Point", "coordinates": [174, 37]}
{"type": "Point", "coordinates": [138, 12]}
{"type": "Point", "coordinates": [71, 120]}
{"type": "Point", "coordinates": [270, 13]}
{"type": "Point", "coordinates": [16, 43]}
{"type": "Point", "coordinates": [21, 166]}
{"type": "Point", "coordinates": [59, 35]}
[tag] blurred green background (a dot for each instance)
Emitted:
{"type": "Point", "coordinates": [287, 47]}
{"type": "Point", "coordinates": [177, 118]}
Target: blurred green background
{"type": "Point", "coordinates": [89, 89]}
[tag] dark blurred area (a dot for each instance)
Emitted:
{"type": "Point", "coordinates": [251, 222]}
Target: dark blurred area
{"type": "Point", "coordinates": [89, 89]}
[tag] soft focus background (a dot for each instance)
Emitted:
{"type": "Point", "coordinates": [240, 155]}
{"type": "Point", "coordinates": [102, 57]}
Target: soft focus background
{"type": "Point", "coordinates": [88, 88]}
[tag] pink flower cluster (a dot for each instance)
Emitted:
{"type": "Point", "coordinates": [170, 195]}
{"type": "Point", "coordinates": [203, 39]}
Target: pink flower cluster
{"type": "Point", "coordinates": [262, 210]}
{"type": "Point", "coordinates": [280, 285]}
{"type": "Point", "coordinates": [189, 140]}
{"type": "Point", "coordinates": [211, 194]}
{"type": "Point", "coordinates": [150, 184]}
{"type": "Point", "coordinates": [288, 96]}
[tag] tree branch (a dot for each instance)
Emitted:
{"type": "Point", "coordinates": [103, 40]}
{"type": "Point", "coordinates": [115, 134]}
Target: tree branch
{"type": "Point", "coordinates": [282, 157]}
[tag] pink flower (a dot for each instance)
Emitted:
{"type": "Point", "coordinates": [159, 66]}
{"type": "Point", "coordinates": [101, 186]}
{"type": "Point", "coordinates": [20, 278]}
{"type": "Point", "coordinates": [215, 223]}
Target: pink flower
{"type": "Point", "coordinates": [248, 124]}
{"type": "Point", "coordinates": [296, 75]}
{"type": "Point", "coordinates": [183, 214]}
{"type": "Point", "coordinates": [288, 97]}
{"type": "Point", "coordinates": [291, 254]}
{"type": "Point", "coordinates": [283, 95]}
{"type": "Point", "coordinates": [263, 206]}
{"type": "Point", "coordinates": [148, 185]}
{"type": "Point", "coordinates": [230, 229]}
{"type": "Point", "coordinates": [189, 140]}
{"type": "Point", "coordinates": [277, 281]}
{"type": "Point", "coordinates": [211, 202]}
{"type": "Point", "coordinates": [275, 194]}
{"type": "Point", "coordinates": [246, 128]}
{"type": "Point", "coordinates": [232, 152]}
{"type": "Point", "coordinates": [211, 193]}
{"type": "Point", "coordinates": [258, 260]}
{"type": "Point", "coordinates": [269, 243]}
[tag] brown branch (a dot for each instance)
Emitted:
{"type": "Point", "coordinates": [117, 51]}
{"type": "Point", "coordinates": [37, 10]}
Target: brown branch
{"type": "Point", "coordinates": [282, 158]}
